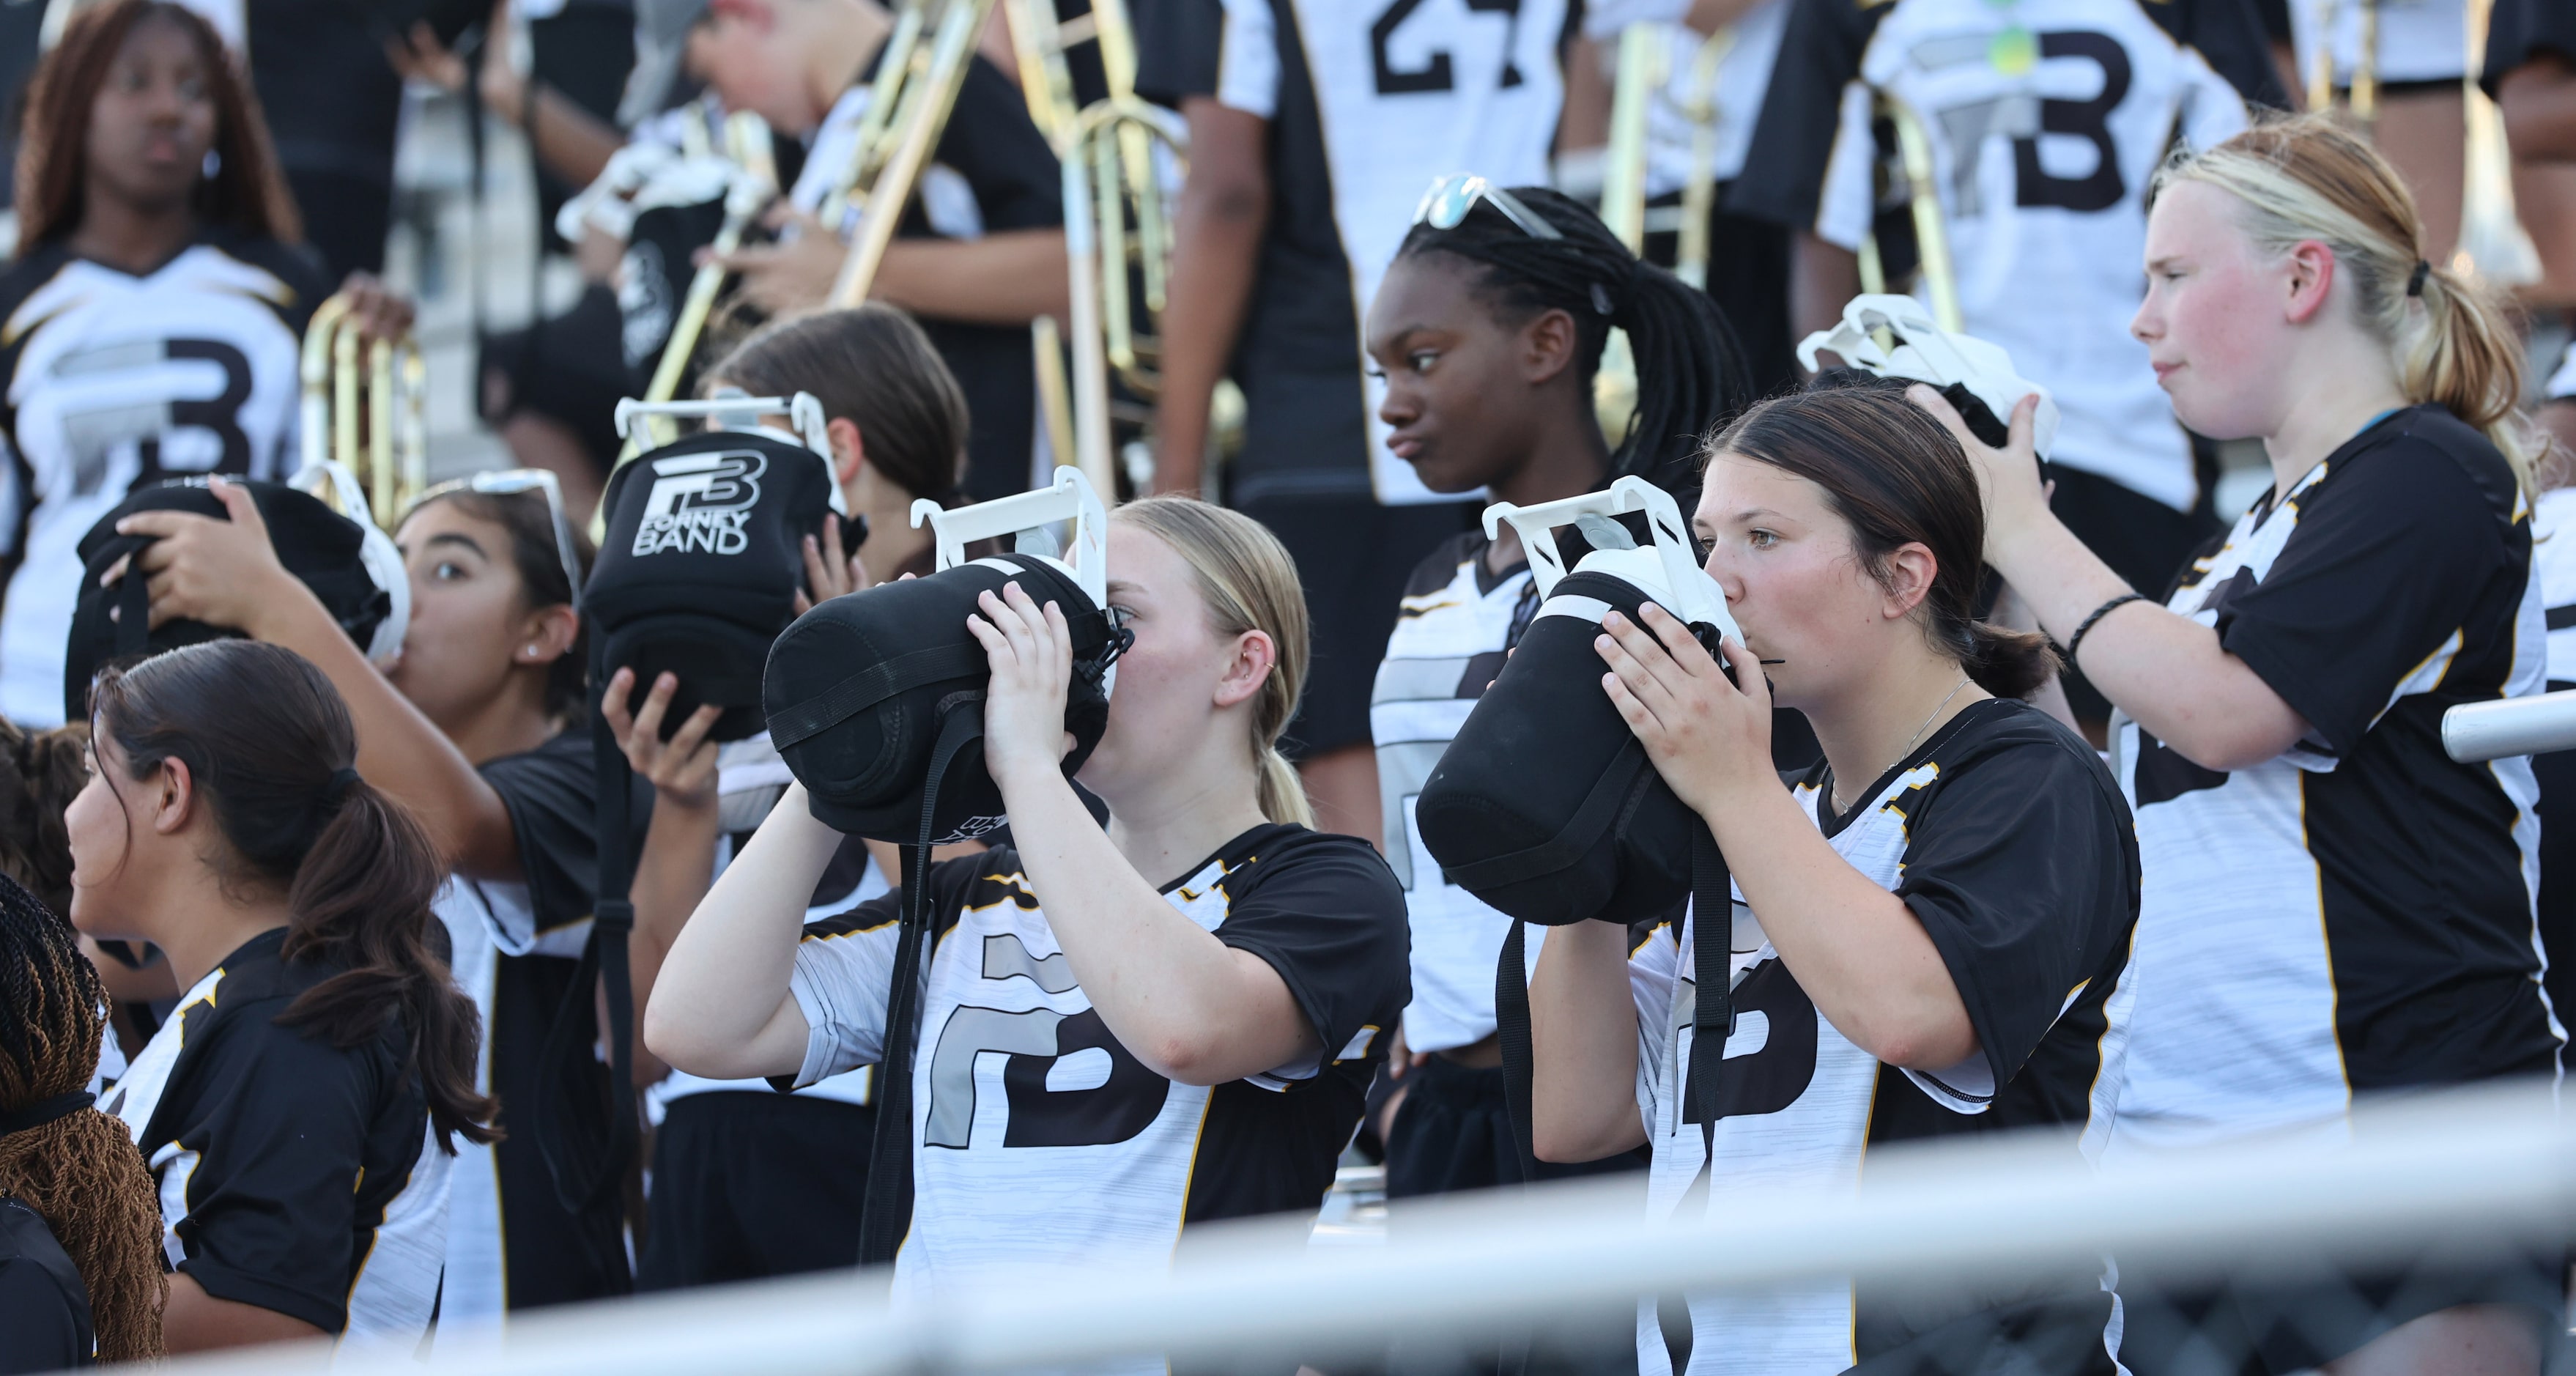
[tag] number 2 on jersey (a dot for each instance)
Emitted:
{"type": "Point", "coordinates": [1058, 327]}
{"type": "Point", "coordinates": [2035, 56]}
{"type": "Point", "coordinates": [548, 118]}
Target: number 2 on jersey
{"type": "Point", "coordinates": [1439, 73]}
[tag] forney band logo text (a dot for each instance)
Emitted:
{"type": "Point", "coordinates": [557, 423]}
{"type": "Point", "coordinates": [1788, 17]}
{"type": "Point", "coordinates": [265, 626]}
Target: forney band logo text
{"type": "Point", "coordinates": [701, 502]}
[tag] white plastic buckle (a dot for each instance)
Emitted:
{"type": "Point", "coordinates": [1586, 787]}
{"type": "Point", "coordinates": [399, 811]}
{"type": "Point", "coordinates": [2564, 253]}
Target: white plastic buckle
{"type": "Point", "coordinates": [1687, 591]}
{"type": "Point", "coordinates": [731, 409]}
{"type": "Point", "coordinates": [1917, 349]}
{"type": "Point", "coordinates": [1025, 517]}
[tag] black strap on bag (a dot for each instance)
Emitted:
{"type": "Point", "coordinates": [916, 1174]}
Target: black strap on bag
{"type": "Point", "coordinates": [579, 1188]}
{"type": "Point", "coordinates": [887, 1213]}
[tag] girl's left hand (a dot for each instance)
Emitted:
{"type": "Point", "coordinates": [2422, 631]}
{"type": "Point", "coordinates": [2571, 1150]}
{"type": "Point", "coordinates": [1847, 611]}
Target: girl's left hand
{"type": "Point", "coordinates": [1706, 736]}
{"type": "Point", "coordinates": [223, 573]}
{"type": "Point", "coordinates": [1031, 652]}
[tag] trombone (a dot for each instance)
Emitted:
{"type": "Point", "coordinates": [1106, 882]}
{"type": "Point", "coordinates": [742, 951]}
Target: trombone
{"type": "Point", "coordinates": [1939, 276]}
{"type": "Point", "coordinates": [1643, 75]}
{"type": "Point", "coordinates": [915, 91]}
{"type": "Point", "coordinates": [365, 409]}
{"type": "Point", "coordinates": [2365, 63]}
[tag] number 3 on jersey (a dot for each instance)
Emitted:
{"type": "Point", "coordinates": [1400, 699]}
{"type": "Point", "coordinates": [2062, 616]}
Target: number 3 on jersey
{"type": "Point", "coordinates": [1067, 1082]}
{"type": "Point", "coordinates": [1437, 74]}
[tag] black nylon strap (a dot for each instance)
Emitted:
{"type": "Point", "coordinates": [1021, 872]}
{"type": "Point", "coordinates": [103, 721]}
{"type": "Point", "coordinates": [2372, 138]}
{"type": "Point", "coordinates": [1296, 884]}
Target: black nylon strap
{"type": "Point", "coordinates": [870, 686]}
{"type": "Point", "coordinates": [579, 1186]}
{"type": "Point", "coordinates": [887, 1213]}
{"type": "Point", "coordinates": [134, 607]}
{"type": "Point", "coordinates": [45, 1111]}
{"type": "Point", "coordinates": [1589, 821]}
{"type": "Point", "coordinates": [1512, 1026]}
{"type": "Point", "coordinates": [1713, 1010]}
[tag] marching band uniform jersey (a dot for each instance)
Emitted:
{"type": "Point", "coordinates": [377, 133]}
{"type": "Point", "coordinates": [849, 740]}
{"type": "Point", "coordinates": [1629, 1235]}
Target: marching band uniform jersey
{"type": "Point", "coordinates": [114, 382]}
{"type": "Point", "coordinates": [2420, 41]}
{"type": "Point", "coordinates": [1039, 1140]}
{"type": "Point", "coordinates": [515, 949]}
{"type": "Point", "coordinates": [2006, 837]}
{"type": "Point", "coordinates": [2553, 568]}
{"type": "Point", "coordinates": [749, 1183]}
{"type": "Point", "coordinates": [294, 1175]}
{"type": "Point", "coordinates": [44, 1303]}
{"type": "Point", "coordinates": [2047, 119]}
{"type": "Point", "coordinates": [1367, 102]}
{"type": "Point", "coordinates": [1458, 623]}
{"type": "Point", "coordinates": [2517, 32]}
{"type": "Point", "coordinates": [2356, 913]}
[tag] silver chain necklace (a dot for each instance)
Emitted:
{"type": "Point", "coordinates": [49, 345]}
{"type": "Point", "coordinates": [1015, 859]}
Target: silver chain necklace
{"type": "Point", "coordinates": [1841, 807]}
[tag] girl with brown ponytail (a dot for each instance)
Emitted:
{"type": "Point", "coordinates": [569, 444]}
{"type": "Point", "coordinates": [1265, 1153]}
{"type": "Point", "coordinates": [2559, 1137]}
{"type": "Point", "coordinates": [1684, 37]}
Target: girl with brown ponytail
{"type": "Point", "coordinates": [2350, 909]}
{"type": "Point", "coordinates": [80, 1267]}
{"type": "Point", "coordinates": [300, 1107]}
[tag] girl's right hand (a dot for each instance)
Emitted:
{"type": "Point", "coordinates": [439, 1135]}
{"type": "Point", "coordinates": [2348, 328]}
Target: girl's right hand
{"type": "Point", "coordinates": [683, 768]}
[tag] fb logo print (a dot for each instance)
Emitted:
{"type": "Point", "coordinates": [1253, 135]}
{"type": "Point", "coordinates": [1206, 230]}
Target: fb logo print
{"type": "Point", "coordinates": [701, 502]}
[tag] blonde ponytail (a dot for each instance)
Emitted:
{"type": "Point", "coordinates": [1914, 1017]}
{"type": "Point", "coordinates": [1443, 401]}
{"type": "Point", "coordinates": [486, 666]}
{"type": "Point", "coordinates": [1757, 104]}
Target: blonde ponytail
{"type": "Point", "coordinates": [2303, 177]}
{"type": "Point", "coordinates": [1249, 584]}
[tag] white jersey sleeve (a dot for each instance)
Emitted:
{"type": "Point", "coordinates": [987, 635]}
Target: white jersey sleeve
{"type": "Point", "coordinates": [1248, 62]}
{"type": "Point", "coordinates": [843, 969]}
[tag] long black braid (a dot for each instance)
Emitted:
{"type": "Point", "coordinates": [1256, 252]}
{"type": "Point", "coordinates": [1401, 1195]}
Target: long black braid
{"type": "Point", "coordinates": [1691, 374]}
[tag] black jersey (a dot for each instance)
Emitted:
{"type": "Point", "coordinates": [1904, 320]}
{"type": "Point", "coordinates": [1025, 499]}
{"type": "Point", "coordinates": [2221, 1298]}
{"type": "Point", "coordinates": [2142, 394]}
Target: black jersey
{"type": "Point", "coordinates": [1365, 106]}
{"type": "Point", "coordinates": [115, 381]}
{"type": "Point", "coordinates": [2520, 30]}
{"type": "Point", "coordinates": [44, 1306]}
{"type": "Point", "coordinates": [1059, 1147]}
{"type": "Point", "coordinates": [517, 947]}
{"type": "Point", "coordinates": [2005, 836]}
{"type": "Point", "coordinates": [295, 1175]}
{"type": "Point", "coordinates": [2357, 912]}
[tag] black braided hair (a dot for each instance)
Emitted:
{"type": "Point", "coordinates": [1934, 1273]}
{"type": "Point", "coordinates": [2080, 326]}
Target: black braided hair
{"type": "Point", "coordinates": [1691, 373]}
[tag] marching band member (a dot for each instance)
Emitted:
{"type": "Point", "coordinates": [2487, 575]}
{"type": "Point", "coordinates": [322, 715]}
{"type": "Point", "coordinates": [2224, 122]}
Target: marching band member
{"type": "Point", "coordinates": [2332, 905]}
{"type": "Point", "coordinates": [2530, 73]}
{"type": "Point", "coordinates": [1313, 130]}
{"type": "Point", "coordinates": [1488, 337]}
{"type": "Point", "coordinates": [1221, 977]}
{"type": "Point", "coordinates": [1928, 920]}
{"type": "Point", "coordinates": [984, 257]}
{"type": "Point", "coordinates": [748, 1182]}
{"type": "Point", "coordinates": [2421, 122]}
{"type": "Point", "coordinates": [2046, 119]}
{"type": "Point", "coordinates": [300, 1108]}
{"type": "Point", "coordinates": [153, 317]}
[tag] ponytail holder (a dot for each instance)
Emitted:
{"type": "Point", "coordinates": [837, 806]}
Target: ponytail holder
{"type": "Point", "coordinates": [44, 1111]}
{"type": "Point", "coordinates": [338, 787]}
{"type": "Point", "coordinates": [2415, 284]}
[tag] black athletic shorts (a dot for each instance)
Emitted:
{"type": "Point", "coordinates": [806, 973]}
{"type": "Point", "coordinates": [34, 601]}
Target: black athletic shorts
{"type": "Point", "coordinates": [752, 1185]}
{"type": "Point", "coordinates": [570, 367]}
{"type": "Point", "coordinates": [1354, 557]}
{"type": "Point", "coordinates": [1454, 1132]}
{"type": "Point", "coordinates": [1748, 278]}
{"type": "Point", "coordinates": [2143, 540]}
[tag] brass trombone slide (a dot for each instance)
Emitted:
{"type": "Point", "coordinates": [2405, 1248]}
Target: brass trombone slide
{"type": "Point", "coordinates": [915, 128]}
{"type": "Point", "coordinates": [1109, 168]}
{"type": "Point", "coordinates": [364, 407]}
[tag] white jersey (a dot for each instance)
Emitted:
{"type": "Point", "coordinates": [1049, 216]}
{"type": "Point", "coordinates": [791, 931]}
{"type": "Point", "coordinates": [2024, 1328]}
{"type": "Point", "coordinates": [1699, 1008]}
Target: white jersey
{"type": "Point", "coordinates": [1401, 94]}
{"type": "Point", "coordinates": [1752, 45]}
{"type": "Point", "coordinates": [2047, 118]}
{"type": "Point", "coordinates": [114, 382]}
{"type": "Point", "coordinates": [2553, 567]}
{"type": "Point", "coordinates": [2419, 40]}
{"type": "Point", "coordinates": [2562, 384]}
{"type": "Point", "coordinates": [2356, 913]}
{"type": "Point", "coordinates": [1970, 830]}
{"type": "Point", "coordinates": [1457, 624]}
{"type": "Point", "coordinates": [946, 198]}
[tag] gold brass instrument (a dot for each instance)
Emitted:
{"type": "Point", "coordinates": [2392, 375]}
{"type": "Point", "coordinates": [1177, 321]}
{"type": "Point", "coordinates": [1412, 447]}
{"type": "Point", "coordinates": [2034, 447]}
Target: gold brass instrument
{"type": "Point", "coordinates": [747, 145]}
{"type": "Point", "coordinates": [1643, 75]}
{"type": "Point", "coordinates": [1931, 231]}
{"type": "Point", "coordinates": [1118, 234]}
{"type": "Point", "coordinates": [888, 165]}
{"type": "Point", "coordinates": [1699, 187]}
{"type": "Point", "coordinates": [364, 408]}
{"type": "Point", "coordinates": [2365, 64]}
{"type": "Point", "coordinates": [2494, 247]}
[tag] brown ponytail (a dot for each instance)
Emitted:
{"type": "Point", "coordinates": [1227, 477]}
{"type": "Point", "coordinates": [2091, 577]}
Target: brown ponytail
{"type": "Point", "coordinates": [1898, 478]}
{"type": "Point", "coordinates": [2309, 177]}
{"type": "Point", "coordinates": [271, 747]}
{"type": "Point", "coordinates": [79, 1172]}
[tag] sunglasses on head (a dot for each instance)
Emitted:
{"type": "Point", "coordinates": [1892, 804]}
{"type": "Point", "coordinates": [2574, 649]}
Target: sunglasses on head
{"type": "Point", "coordinates": [1446, 204]}
{"type": "Point", "coordinates": [510, 482]}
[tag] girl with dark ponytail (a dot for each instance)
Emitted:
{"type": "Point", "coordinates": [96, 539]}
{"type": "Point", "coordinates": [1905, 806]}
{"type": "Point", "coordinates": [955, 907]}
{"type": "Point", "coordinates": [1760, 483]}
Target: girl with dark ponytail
{"type": "Point", "coordinates": [300, 1107]}
{"type": "Point", "coordinates": [1929, 921]}
{"type": "Point", "coordinates": [80, 1230]}
{"type": "Point", "coordinates": [1490, 328]}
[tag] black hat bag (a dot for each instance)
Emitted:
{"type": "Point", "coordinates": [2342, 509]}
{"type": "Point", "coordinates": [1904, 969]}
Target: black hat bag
{"type": "Point", "coordinates": [876, 703]}
{"type": "Point", "coordinates": [1545, 806]}
{"type": "Point", "coordinates": [697, 573]}
{"type": "Point", "coordinates": [345, 560]}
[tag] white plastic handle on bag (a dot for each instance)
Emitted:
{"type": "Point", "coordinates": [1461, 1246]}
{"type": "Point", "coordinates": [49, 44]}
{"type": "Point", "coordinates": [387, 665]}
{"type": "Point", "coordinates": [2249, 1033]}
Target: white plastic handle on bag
{"type": "Point", "coordinates": [1026, 517]}
{"type": "Point", "coordinates": [335, 485]}
{"type": "Point", "coordinates": [1686, 590]}
{"type": "Point", "coordinates": [1914, 348]}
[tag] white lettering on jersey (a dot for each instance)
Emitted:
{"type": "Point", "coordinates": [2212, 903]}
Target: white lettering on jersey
{"type": "Point", "coordinates": [701, 502]}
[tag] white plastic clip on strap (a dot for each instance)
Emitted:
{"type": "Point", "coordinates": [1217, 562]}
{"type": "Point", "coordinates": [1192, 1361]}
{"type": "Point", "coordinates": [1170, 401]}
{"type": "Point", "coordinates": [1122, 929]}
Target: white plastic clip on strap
{"type": "Point", "coordinates": [1919, 350]}
{"type": "Point", "coordinates": [732, 409]}
{"type": "Point", "coordinates": [1669, 572]}
{"type": "Point", "coordinates": [2537, 725]}
{"type": "Point", "coordinates": [334, 484]}
{"type": "Point", "coordinates": [1028, 517]}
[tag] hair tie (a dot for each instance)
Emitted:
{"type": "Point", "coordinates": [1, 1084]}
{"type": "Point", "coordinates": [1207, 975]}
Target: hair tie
{"type": "Point", "coordinates": [44, 1111]}
{"type": "Point", "coordinates": [2415, 284]}
{"type": "Point", "coordinates": [338, 787]}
